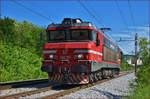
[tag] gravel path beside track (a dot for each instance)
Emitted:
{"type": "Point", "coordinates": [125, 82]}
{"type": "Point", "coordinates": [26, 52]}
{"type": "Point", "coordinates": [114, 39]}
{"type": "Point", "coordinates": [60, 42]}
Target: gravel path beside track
{"type": "Point", "coordinates": [113, 89]}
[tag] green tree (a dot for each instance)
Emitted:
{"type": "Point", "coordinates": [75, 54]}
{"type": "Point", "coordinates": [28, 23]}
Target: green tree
{"type": "Point", "coordinates": [143, 73]}
{"type": "Point", "coordinates": [8, 32]}
{"type": "Point", "coordinates": [21, 50]}
{"type": "Point", "coordinates": [143, 53]}
{"type": "Point", "coordinates": [142, 88]}
{"type": "Point", "coordinates": [20, 64]}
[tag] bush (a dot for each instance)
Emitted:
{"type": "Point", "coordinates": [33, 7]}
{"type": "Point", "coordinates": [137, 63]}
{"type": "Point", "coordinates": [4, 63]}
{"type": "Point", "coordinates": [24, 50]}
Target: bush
{"type": "Point", "coordinates": [142, 89]}
{"type": "Point", "coordinates": [21, 50]}
{"type": "Point", "coordinates": [143, 75]}
{"type": "Point", "coordinates": [141, 93]}
{"type": "Point", "coordinates": [20, 64]}
{"type": "Point", "coordinates": [125, 65]}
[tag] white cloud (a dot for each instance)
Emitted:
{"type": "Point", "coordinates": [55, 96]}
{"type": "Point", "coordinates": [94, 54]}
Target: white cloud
{"type": "Point", "coordinates": [128, 47]}
{"type": "Point", "coordinates": [143, 31]}
{"type": "Point", "coordinates": [121, 35]}
{"type": "Point", "coordinates": [141, 28]}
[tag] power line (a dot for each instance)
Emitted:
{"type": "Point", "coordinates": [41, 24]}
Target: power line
{"type": "Point", "coordinates": [135, 40]}
{"type": "Point", "coordinates": [124, 21]}
{"type": "Point", "coordinates": [92, 9]}
{"type": "Point", "coordinates": [37, 13]}
{"type": "Point", "coordinates": [131, 13]}
{"type": "Point", "coordinates": [40, 8]}
{"type": "Point", "coordinates": [121, 14]}
{"type": "Point", "coordinates": [89, 12]}
{"type": "Point", "coordinates": [109, 35]}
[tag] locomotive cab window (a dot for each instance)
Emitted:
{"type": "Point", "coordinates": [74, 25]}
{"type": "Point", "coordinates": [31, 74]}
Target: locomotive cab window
{"type": "Point", "coordinates": [80, 35]}
{"type": "Point", "coordinates": [56, 35]}
{"type": "Point", "coordinates": [71, 35]}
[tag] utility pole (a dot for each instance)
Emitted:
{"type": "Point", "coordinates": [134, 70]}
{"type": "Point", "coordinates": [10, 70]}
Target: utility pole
{"type": "Point", "coordinates": [149, 43]}
{"type": "Point", "coordinates": [136, 37]}
{"type": "Point", "coordinates": [135, 40]}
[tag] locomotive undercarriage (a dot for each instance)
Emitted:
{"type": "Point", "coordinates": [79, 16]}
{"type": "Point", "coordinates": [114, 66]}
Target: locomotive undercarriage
{"type": "Point", "coordinates": [83, 78]}
{"type": "Point", "coordinates": [102, 74]}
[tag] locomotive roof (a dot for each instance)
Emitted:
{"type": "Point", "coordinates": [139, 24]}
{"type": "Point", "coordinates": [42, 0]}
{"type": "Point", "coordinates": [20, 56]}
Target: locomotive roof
{"type": "Point", "coordinates": [86, 24]}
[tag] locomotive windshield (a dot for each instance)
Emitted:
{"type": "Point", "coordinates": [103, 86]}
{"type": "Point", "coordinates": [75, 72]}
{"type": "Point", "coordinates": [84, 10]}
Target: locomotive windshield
{"type": "Point", "coordinates": [80, 35]}
{"type": "Point", "coordinates": [73, 35]}
{"type": "Point", "coordinates": [57, 35]}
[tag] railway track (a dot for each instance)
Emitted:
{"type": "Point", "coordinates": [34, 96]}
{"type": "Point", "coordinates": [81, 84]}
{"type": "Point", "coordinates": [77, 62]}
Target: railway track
{"type": "Point", "coordinates": [62, 93]}
{"type": "Point", "coordinates": [27, 93]}
{"type": "Point", "coordinates": [10, 85]}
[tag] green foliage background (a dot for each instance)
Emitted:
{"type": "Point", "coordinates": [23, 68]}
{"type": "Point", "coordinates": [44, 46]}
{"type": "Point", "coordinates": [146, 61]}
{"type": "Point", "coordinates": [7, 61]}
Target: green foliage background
{"type": "Point", "coordinates": [142, 87]}
{"type": "Point", "coordinates": [21, 50]}
{"type": "Point", "coordinates": [125, 66]}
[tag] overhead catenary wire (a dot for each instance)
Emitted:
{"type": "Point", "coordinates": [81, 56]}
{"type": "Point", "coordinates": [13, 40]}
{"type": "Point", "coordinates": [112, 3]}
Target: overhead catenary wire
{"type": "Point", "coordinates": [131, 13]}
{"type": "Point", "coordinates": [42, 9]}
{"type": "Point", "coordinates": [121, 14]}
{"type": "Point", "coordinates": [132, 17]}
{"type": "Point", "coordinates": [94, 16]}
{"type": "Point", "coordinates": [33, 11]}
{"type": "Point", "coordinates": [90, 13]}
{"type": "Point", "coordinates": [47, 18]}
{"type": "Point", "coordinates": [98, 16]}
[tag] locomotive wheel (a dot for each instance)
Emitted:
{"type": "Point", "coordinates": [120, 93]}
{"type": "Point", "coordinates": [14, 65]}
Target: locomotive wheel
{"type": "Point", "coordinates": [96, 76]}
{"type": "Point", "coordinates": [104, 74]}
{"type": "Point", "coordinates": [91, 80]}
{"type": "Point", "coordinates": [116, 72]}
{"type": "Point", "coordinates": [99, 75]}
{"type": "Point", "coordinates": [112, 74]}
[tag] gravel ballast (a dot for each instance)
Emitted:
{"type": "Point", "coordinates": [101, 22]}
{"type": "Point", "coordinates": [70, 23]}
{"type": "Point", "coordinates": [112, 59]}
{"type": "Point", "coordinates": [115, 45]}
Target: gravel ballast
{"type": "Point", "coordinates": [113, 89]}
{"type": "Point", "coordinates": [24, 89]}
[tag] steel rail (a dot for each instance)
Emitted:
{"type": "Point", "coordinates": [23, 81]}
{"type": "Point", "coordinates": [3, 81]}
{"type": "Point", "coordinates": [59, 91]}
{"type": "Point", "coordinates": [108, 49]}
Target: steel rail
{"type": "Point", "coordinates": [10, 85]}
{"type": "Point", "coordinates": [60, 94]}
{"type": "Point", "coordinates": [16, 96]}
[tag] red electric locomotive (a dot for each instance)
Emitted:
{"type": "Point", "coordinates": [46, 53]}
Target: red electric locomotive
{"type": "Point", "coordinates": [77, 53]}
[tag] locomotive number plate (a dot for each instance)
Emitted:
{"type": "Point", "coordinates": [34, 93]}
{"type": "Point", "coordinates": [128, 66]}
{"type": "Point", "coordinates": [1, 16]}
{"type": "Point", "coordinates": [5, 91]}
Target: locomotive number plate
{"type": "Point", "coordinates": [65, 57]}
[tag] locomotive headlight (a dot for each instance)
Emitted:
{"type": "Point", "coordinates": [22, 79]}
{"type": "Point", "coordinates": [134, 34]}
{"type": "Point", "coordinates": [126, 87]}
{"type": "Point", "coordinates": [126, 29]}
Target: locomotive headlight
{"type": "Point", "coordinates": [80, 56]}
{"type": "Point", "coordinates": [51, 56]}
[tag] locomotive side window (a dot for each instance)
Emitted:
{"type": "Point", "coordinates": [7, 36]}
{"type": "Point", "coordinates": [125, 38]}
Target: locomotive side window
{"type": "Point", "coordinates": [96, 36]}
{"type": "Point", "coordinates": [93, 35]}
{"type": "Point", "coordinates": [80, 35]}
{"type": "Point", "coordinates": [110, 51]}
{"type": "Point", "coordinates": [108, 44]}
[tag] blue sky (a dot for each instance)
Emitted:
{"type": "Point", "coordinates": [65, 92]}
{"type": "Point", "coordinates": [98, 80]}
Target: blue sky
{"type": "Point", "coordinates": [106, 12]}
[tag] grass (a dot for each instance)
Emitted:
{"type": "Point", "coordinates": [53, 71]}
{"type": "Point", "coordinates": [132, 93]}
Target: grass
{"type": "Point", "coordinates": [141, 93]}
{"type": "Point", "coordinates": [125, 66]}
{"type": "Point", "coordinates": [142, 87]}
